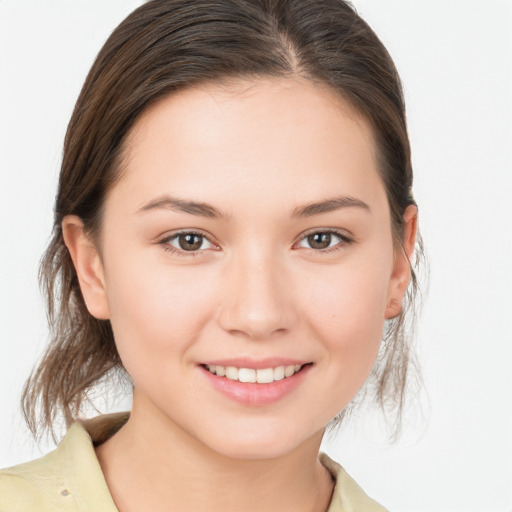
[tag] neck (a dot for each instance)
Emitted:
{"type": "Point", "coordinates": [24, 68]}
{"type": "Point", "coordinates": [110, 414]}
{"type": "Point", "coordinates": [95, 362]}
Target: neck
{"type": "Point", "coordinates": [152, 462]}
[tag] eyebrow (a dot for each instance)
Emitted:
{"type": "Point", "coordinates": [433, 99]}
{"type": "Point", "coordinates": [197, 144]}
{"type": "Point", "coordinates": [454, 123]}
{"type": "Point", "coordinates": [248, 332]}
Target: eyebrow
{"type": "Point", "coordinates": [182, 205]}
{"type": "Point", "coordinates": [206, 210]}
{"type": "Point", "coordinates": [329, 205]}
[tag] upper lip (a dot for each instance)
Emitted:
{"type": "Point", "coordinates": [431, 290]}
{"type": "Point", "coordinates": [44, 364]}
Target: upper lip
{"type": "Point", "coordinates": [257, 364]}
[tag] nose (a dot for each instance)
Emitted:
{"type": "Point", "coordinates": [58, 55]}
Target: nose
{"type": "Point", "coordinates": [257, 297]}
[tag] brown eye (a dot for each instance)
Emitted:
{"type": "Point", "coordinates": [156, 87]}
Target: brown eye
{"type": "Point", "coordinates": [187, 242]}
{"type": "Point", "coordinates": [190, 241]}
{"type": "Point", "coordinates": [319, 240]}
{"type": "Point", "coordinates": [325, 241]}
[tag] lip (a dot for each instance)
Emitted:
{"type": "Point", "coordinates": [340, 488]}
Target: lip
{"type": "Point", "coordinates": [256, 364]}
{"type": "Point", "coordinates": [255, 394]}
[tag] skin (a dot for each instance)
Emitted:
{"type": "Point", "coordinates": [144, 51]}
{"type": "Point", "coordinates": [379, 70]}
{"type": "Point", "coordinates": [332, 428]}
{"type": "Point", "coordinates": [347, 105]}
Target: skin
{"type": "Point", "coordinates": [256, 288]}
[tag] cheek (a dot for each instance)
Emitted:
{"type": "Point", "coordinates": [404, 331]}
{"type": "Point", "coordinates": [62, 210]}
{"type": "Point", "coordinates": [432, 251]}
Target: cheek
{"type": "Point", "coordinates": [157, 313]}
{"type": "Point", "coordinates": [349, 297]}
{"type": "Point", "coordinates": [346, 308]}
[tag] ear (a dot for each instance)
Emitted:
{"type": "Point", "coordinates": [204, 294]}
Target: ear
{"type": "Point", "coordinates": [401, 267]}
{"type": "Point", "coordinates": [88, 266]}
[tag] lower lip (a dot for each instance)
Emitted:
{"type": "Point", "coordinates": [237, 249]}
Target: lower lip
{"type": "Point", "coordinates": [254, 394]}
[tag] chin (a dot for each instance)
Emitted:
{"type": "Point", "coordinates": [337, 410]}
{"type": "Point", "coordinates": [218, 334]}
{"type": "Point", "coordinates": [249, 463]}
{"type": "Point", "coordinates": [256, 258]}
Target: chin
{"type": "Point", "coordinates": [262, 443]}
{"type": "Point", "coordinates": [264, 450]}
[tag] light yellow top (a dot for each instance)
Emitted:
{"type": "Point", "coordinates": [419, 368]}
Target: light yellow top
{"type": "Point", "coordinates": [69, 479]}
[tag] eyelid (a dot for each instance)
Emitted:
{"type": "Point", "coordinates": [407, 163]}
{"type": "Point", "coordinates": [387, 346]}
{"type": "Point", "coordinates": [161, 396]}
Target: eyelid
{"type": "Point", "coordinates": [164, 241]}
{"type": "Point", "coordinates": [345, 239]}
{"type": "Point", "coordinates": [336, 231]}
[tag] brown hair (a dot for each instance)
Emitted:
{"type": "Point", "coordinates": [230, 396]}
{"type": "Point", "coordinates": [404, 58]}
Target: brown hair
{"type": "Point", "coordinates": [167, 45]}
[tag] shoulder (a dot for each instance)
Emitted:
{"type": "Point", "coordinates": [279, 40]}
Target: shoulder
{"type": "Point", "coordinates": [68, 479]}
{"type": "Point", "coordinates": [348, 496]}
{"type": "Point", "coordinates": [38, 485]}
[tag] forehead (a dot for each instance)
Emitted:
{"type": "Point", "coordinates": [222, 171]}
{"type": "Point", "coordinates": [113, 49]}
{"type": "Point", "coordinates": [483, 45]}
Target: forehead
{"type": "Point", "coordinates": [250, 138]}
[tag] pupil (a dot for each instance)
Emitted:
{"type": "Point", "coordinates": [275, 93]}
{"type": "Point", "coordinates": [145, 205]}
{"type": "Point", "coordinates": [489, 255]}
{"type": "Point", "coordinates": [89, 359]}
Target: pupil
{"type": "Point", "coordinates": [319, 240]}
{"type": "Point", "coordinates": [190, 242]}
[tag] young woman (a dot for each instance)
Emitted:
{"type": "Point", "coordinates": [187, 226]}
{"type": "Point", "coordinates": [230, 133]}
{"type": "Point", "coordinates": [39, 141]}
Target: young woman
{"type": "Point", "coordinates": [234, 228]}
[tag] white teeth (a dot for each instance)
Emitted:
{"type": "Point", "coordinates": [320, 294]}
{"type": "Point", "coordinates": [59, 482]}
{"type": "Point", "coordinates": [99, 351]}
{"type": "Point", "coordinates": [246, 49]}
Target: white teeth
{"type": "Point", "coordinates": [289, 371]}
{"type": "Point", "coordinates": [265, 376]}
{"type": "Point", "coordinates": [232, 373]}
{"type": "Point", "coordinates": [279, 373]}
{"type": "Point", "coordinates": [262, 376]}
{"type": "Point", "coordinates": [246, 375]}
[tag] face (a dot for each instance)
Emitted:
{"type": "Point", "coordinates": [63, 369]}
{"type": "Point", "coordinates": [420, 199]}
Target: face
{"type": "Point", "coordinates": [250, 235]}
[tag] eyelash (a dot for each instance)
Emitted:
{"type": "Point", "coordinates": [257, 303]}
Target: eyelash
{"type": "Point", "coordinates": [344, 241]}
{"type": "Point", "coordinates": [173, 250]}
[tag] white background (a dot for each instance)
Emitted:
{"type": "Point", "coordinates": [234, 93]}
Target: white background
{"type": "Point", "coordinates": [455, 59]}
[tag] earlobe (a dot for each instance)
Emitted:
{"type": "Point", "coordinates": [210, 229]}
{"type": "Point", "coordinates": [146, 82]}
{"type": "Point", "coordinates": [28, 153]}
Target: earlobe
{"type": "Point", "coordinates": [402, 267]}
{"type": "Point", "coordinates": [88, 266]}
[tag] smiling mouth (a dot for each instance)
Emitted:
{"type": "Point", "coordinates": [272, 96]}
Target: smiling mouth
{"type": "Point", "coordinates": [251, 375]}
